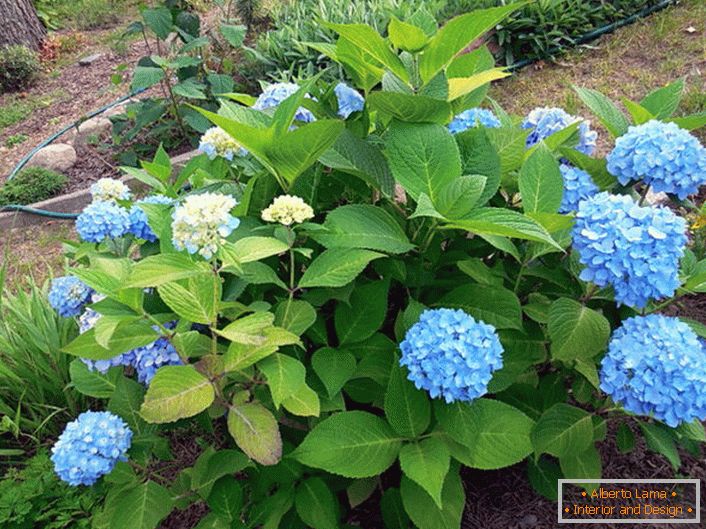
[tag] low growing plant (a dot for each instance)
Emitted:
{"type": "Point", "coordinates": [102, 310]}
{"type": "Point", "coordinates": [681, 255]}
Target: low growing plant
{"type": "Point", "coordinates": [31, 185]}
{"type": "Point", "coordinates": [368, 301]}
{"type": "Point", "coordinates": [19, 67]}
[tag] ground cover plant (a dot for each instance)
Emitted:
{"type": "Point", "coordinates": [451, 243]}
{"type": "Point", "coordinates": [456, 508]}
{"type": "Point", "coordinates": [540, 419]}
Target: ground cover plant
{"type": "Point", "coordinates": [357, 278]}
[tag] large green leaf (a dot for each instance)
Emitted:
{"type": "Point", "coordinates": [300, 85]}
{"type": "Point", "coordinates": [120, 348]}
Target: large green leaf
{"type": "Point", "coordinates": [407, 408]}
{"type": "Point", "coordinates": [126, 401]}
{"type": "Point", "coordinates": [141, 507]}
{"type": "Point", "coordinates": [423, 510]}
{"type": "Point", "coordinates": [563, 430]}
{"type": "Point", "coordinates": [362, 226]}
{"type": "Point", "coordinates": [424, 158]}
{"type": "Point", "coordinates": [426, 463]}
{"type": "Point", "coordinates": [576, 331]}
{"type": "Point", "coordinates": [659, 440]}
{"type": "Point", "coordinates": [197, 301]}
{"type": "Point", "coordinates": [541, 183]}
{"type": "Point", "coordinates": [411, 108]}
{"type": "Point", "coordinates": [492, 304]}
{"type": "Point", "coordinates": [90, 382]}
{"type": "Point", "coordinates": [285, 376]}
{"type": "Point", "coordinates": [509, 142]}
{"type": "Point", "coordinates": [458, 198]}
{"type": "Point", "coordinates": [486, 434]}
{"type": "Point", "coordinates": [334, 368]}
{"type": "Point", "coordinates": [316, 505]}
{"type": "Point", "coordinates": [506, 223]}
{"type": "Point", "coordinates": [363, 315]}
{"type": "Point", "coordinates": [354, 444]}
{"type": "Point", "coordinates": [582, 465]}
{"type": "Point", "coordinates": [606, 111]}
{"type": "Point", "coordinates": [337, 267]}
{"type": "Point", "coordinates": [124, 338]}
{"type": "Point", "coordinates": [663, 102]}
{"type": "Point", "coordinates": [295, 316]}
{"type": "Point", "coordinates": [255, 431]}
{"type": "Point", "coordinates": [164, 268]}
{"type": "Point", "coordinates": [176, 392]}
{"type": "Point", "coordinates": [457, 35]}
{"type": "Point", "coordinates": [406, 36]}
{"type": "Point", "coordinates": [479, 157]}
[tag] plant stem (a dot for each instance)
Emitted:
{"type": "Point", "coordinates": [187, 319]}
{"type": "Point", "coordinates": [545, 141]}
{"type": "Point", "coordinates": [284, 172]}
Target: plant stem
{"type": "Point", "coordinates": [643, 195]}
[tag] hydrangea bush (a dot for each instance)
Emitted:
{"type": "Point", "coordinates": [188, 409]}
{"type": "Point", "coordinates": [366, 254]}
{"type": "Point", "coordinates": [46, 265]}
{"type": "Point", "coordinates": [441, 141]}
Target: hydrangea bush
{"type": "Point", "coordinates": [380, 288]}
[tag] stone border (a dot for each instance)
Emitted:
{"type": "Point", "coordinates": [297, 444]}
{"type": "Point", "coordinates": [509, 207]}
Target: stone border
{"type": "Point", "coordinates": [71, 202]}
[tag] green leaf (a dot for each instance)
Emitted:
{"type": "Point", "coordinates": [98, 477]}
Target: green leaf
{"type": "Point", "coordinates": [411, 108]}
{"type": "Point", "coordinates": [255, 431]}
{"type": "Point", "coordinates": [625, 439]}
{"type": "Point", "coordinates": [393, 513]}
{"type": "Point", "coordinates": [479, 157]}
{"type": "Point", "coordinates": [495, 305]}
{"type": "Point", "coordinates": [141, 507]}
{"type": "Point", "coordinates": [164, 268]}
{"type": "Point", "coordinates": [368, 40]}
{"type": "Point", "coordinates": [213, 465]}
{"type": "Point", "coordinates": [176, 392]}
{"type": "Point", "coordinates": [659, 440]}
{"type": "Point", "coordinates": [159, 20]}
{"type": "Point", "coordinates": [249, 249]}
{"type": "Point", "coordinates": [427, 463]}
{"type": "Point", "coordinates": [334, 368]}
{"type": "Point", "coordinates": [638, 113]}
{"type": "Point", "coordinates": [239, 356]}
{"type": "Point", "coordinates": [606, 111]}
{"type": "Point", "coordinates": [692, 122]}
{"type": "Point", "coordinates": [543, 475]}
{"type": "Point", "coordinates": [190, 89]}
{"type": "Point", "coordinates": [486, 434]}
{"type": "Point", "coordinates": [296, 316]}
{"type": "Point", "coordinates": [458, 198]}
{"type": "Point", "coordinates": [563, 430]}
{"type": "Point", "coordinates": [693, 431]}
{"type": "Point", "coordinates": [593, 166]}
{"type": "Point", "coordinates": [362, 226]}
{"type": "Point", "coordinates": [582, 465]}
{"type": "Point", "coordinates": [354, 444]}
{"type": "Point", "coordinates": [285, 376]}
{"type": "Point", "coordinates": [424, 158]}
{"type": "Point", "coordinates": [406, 36]}
{"type": "Point", "coordinates": [663, 102]}
{"type": "Point", "coordinates": [407, 408]}
{"type": "Point", "coordinates": [506, 223]}
{"type": "Point", "coordinates": [235, 35]}
{"type": "Point", "coordinates": [145, 77]}
{"type": "Point", "coordinates": [92, 383]}
{"type": "Point", "coordinates": [424, 512]}
{"type": "Point", "coordinates": [304, 403]}
{"type": "Point", "coordinates": [196, 302]}
{"type": "Point", "coordinates": [462, 86]}
{"type": "Point", "coordinates": [126, 401]}
{"type": "Point", "coordinates": [337, 267]}
{"type": "Point", "coordinates": [509, 142]}
{"type": "Point", "coordinates": [363, 315]}
{"type": "Point", "coordinates": [541, 183]}
{"type": "Point", "coordinates": [249, 329]}
{"type": "Point", "coordinates": [576, 331]}
{"type": "Point", "coordinates": [360, 490]}
{"type": "Point", "coordinates": [316, 505]}
{"type": "Point", "coordinates": [226, 498]}
{"type": "Point", "coordinates": [124, 339]}
{"type": "Point", "coordinates": [457, 35]}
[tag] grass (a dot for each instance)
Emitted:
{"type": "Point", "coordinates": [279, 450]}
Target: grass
{"type": "Point", "coordinates": [629, 63]}
{"type": "Point", "coordinates": [87, 14]}
{"type": "Point", "coordinates": [16, 108]}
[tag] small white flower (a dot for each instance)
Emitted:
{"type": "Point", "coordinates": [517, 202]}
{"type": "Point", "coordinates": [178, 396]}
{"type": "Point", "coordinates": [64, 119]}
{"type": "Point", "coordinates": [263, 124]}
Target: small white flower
{"type": "Point", "coordinates": [109, 189]}
{"type": "Point", "coordinates": [287, 210]}
{"type": "Point", "coordinates": [217, 142]}
{"type": "Point", "coordinates": [202, 222]}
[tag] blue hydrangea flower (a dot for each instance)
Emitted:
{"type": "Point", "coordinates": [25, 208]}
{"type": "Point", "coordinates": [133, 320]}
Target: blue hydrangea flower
{"type": "Point", "coordinates": [274, 94]}
{"type": "Point", "coordinates": [217, 142]}
{"type": "Point", "coordinates": [655, 367]}
{"type": "Point", "coordinates": [664, 155]}
{"type": "Point", "coordinates": [68, 295]}
{"type": "Point", "coordinates": [102, 220]}
{"type": "Point", "coordinates": [349, 100]}
{"type": "Point", "coordinates": [545, 121]}
{"type": "Point", "coordinates": [90, 447]}
{"type": "Point", "coordinates": [474, 117]}
{"type": "Point", "coordinates": [578, 186]}
{"type": "Point", "coordinates": [451, 355]}
{"type": "Point", "coordinates": [138, 218]}
{"type": "Point", "coordinates": [148, 359]}
{"type": "Point", "coordinates": [635, 249]}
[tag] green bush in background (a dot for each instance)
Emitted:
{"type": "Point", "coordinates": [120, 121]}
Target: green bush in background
{"type": "Point", "coordinates": [19, 67]}
{"type": "Point", "coordinates": [31, 185]}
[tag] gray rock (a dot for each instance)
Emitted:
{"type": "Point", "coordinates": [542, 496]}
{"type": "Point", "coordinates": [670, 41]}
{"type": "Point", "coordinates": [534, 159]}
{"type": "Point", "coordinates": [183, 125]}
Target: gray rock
{"type": "Point", "coordinates": [92, 128]}
{"type": "Point", "coordinates": [57, 157]}
{"type": "Point", "coordinates": [89, 60]}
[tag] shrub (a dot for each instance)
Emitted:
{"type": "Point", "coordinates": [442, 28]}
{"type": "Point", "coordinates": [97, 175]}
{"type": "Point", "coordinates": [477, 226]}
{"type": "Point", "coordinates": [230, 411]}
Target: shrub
{"type": "Point", "coordinates": [19, 67]}
{"type": "Point", "coordinates": [31, 185]}
{"type": "Point", "coordinates": [368, 303]}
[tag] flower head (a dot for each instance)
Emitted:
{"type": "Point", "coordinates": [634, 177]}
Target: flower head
{"type": "Point", "coordinates": [109, 189]}
{"type": "Point", "coordinates": [349, 100]}
{"type": "Point", "coordinates": [545, 121]}
{"type": "Point", "coordinates": [90, 447]}
{"type": "Point", "coordinates": [635, 249]}
{"type": "Point", "coordinates": [664, 155]}
{"type": "Point", "coordinates": [148, 359]}
{"type": "Point", "coordinates": [474, 117]}
{"type": "Point", "coordinates": [287, 210]}
{"type": "Point", "coordinates": [217, 142]}
{"type": "Point", "coordinates": [274, 94]}
{"type": "Point", "coordinates": [68, 295]}
{"type": "Point", "coordinates": [102, 220]}
{"type": "Point", "coordinates": [202, 222]}
{"type": "Point", "coordinates": [139, 226]}
{"type": "Point", "coordinates": [578, 186]}
{"type": "Point", "coordinates": [451, 355]}
{"type": "Point", "coordinates": [655, 367]}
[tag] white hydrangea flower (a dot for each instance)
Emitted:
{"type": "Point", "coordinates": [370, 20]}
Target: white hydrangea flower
{"type": "Point", "coordinates": [287, 210]}
{"type": "Point", "coordinates": [217, 142]}
{"type": "Point", "coordinates": [107, 189]}
{"type": "Point", "coordinates": [202, 222]}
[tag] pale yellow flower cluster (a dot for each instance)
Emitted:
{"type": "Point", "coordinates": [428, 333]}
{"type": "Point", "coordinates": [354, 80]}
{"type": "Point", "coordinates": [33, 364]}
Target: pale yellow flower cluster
{"type": "Point", "coordinates": [287, 210]}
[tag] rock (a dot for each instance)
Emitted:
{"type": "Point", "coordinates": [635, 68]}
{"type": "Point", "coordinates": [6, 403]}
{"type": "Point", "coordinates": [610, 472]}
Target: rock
{"type": "Point", "coordinates": [87, 61]}
{"type": "Point", "coordinates": [92, 128]}
{"type": "Point", "coordinates": [57, 157]}
{"type": "Point", "coordinates": [656, 199]}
